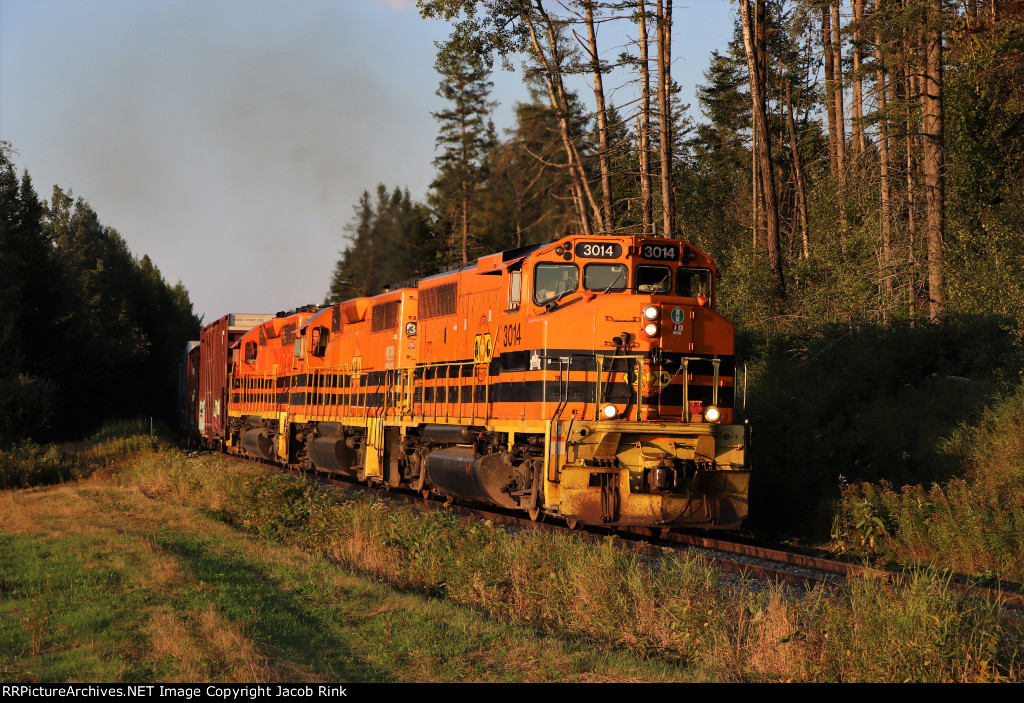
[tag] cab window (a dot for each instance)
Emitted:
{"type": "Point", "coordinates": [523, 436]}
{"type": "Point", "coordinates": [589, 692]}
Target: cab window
{"type": "Point", "coordinates": [653, 279]}
{"type": "Point", "coordinates": [691, 283]}
{"type": "Point", "coordinates": [553, 281]}
{"type": "Point", "coordinates": [604, 277]}
{"type": "Point", "coordinates": [319, 338]}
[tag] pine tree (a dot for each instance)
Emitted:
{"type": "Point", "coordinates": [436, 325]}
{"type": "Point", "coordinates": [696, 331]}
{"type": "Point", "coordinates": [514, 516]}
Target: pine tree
{"type": "Point", "coordinates": [391, 241]}
{"type": "Point", "coordinates": [87, 332]}
{"type": "Point", "coordinates": [465, 138]}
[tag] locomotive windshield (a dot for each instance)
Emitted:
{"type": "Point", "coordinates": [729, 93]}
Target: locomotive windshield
{"type": "Point", "coordinates": [653, 279]}
{"type": "Point", "coordinates": [552, 281]}
{"type": "Point", "coordinates": [604, 277]}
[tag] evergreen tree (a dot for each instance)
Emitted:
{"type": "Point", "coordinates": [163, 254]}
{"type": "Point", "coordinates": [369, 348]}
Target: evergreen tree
{"type": "Point", "coordinates": [26, 399]}
{"type": "Point", "coordinates": [87, 332]}
{"type": "Point", "coordinates": [392, 242]}
{"type": "Point", "coordinates": [466, 137]}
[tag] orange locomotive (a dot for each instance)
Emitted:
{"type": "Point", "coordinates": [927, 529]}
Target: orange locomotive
{"type": "Point", "coordinates": [589, 378]}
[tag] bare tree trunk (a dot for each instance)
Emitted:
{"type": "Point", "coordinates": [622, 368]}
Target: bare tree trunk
{"type": "Point", "coordinates": [465, 222]}
{"type": "Point", "coordinates": [582, 195]}
{"type": "Point", "coordinates": [885, 216]}
{"type": "Point", "coordinates": [755, 196]}
{"type": "Point", "coordinates": [761, 44]}
{"type": "Point", "coordinates": [798, 168]}
{"type": "Point", "coordinates": [909, 88]}
{"type": "Point", "coordinates": [604, 156]}
{"type": "Point", "coordinates": [830, 92]}
{"type": "Point", "coordinates": [837, 62]}
{"type": "Point", "coordinates": [644, 129]}
{"type": "Point", "coordinates": [764, 154]}
{"type": "Point", "coordinates": [933, 163]}
{"type": "Point", "coordinates": [858, 101]}
{"type": "Point", "coordinates": [665, 113]}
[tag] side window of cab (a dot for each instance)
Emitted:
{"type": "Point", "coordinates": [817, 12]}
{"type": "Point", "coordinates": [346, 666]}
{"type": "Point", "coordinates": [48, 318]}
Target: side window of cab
{"type": "Point", "coordinates": [515, 288]}
{"type": "Point", "coordinates": [694, 283]}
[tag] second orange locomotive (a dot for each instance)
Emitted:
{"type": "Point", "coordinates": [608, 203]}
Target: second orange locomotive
{"type": "Point", "coordinates": [589, 378]}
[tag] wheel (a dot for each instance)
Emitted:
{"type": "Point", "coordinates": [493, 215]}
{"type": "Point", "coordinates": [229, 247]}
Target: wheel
{"type": "Point", "coordinates": [571, 522]}
{"type": "Point", "coordinates": [534, 513]}
{"type": "Point", "coordinates": [425, 493]}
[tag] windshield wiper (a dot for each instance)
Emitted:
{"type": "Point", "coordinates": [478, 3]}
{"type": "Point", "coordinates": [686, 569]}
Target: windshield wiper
{"type": "Point", "coordinates": [559, 296]}
{"type": "Point", "coordinates": [614, 281]}
{"type": "Point", "coordinates": [657, 289]}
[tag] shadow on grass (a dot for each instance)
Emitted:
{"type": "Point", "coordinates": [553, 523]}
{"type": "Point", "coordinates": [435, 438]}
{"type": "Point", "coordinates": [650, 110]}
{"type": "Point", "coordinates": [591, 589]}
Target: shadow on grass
{"type": "Point", "coordinates": [286, 624]}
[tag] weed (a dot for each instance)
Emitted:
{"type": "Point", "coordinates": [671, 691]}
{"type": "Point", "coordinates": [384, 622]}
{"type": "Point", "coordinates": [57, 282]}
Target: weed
{"type": "Point", "coordinates": [260, 597]}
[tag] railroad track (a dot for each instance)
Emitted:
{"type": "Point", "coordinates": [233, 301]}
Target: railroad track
{"type": "Point", "coordinates": [736, 557]}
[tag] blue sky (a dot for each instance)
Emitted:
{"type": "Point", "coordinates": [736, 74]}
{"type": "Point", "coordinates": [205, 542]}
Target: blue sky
{"type": "Point", "coordinates": [230, 140]}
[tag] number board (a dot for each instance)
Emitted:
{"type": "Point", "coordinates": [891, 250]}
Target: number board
{"type": "Point", "coordinates": [598, 250]}
{"type": "Point", "coordinates": [660, 252]}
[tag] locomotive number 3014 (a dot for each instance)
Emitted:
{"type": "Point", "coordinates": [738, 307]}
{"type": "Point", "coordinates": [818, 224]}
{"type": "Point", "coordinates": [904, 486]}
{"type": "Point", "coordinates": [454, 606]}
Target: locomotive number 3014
{"type": "Point", "coordinates": [511, 335]}
{"type": "Point", "coordinates": [598, 250]}
{"type": "Point", "coordinates": [660, 252]}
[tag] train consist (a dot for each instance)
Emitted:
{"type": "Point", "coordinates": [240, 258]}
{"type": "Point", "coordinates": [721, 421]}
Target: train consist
{"type": "Point", "coordinates": [590, 379]}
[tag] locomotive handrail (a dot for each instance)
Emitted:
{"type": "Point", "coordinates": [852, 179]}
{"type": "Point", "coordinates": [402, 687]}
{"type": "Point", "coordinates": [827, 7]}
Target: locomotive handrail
{"type": "Point", "coordinates": [563, 398]}
{"type": "Point", "coordinates": [599, 398]}
{"type": "Point", "coordinates": [685, 365]}
{"type": "Point", "coordinates": [561, 403]}
{"type": "Point", "coordinates": [430, 380]}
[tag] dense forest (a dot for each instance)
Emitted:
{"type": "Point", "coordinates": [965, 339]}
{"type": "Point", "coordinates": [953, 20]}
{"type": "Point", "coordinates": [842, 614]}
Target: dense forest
{"type": "Point", "coordinates": [88, 332]}
{"type": "Point", "coordinates": [856, 167]}
{"type": "Point", "coordinates": [851, 161]}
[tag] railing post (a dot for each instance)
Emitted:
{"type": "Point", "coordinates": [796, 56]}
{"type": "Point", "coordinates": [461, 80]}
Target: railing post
{"type": "Point", "coordinates": [686, 390]}
{"type": "Point", "coordinates": [714, 389]}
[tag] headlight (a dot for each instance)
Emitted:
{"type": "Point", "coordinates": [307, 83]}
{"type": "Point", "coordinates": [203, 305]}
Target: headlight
{"type": "Point", "coordinates": [609, 412]}
{"type": "Point", "coordinates": [711, 414]}
{"type": "Point", "coordinates": [651, 329]}
{"type": "Point", "coordinates": [652, 312]}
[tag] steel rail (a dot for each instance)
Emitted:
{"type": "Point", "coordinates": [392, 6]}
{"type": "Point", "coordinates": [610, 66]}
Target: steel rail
{"type": "Point", "coordinates": [734, 557]}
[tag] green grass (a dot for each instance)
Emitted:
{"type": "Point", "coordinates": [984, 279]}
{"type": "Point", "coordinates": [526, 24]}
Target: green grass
{"type": "Point", "coordinates": [100, 583]}
{"type": "Point", "coordinates": [174, 567]}
{"type": "Point", "coordinates": [29, 464]}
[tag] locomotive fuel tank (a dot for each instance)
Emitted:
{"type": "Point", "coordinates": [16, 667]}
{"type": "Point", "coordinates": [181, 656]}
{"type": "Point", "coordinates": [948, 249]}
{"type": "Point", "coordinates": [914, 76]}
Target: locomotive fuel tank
{"type": "Point", "coordinates": [260, 443]}
{"type": "Point", "coordinates": [333, 454]}
{"type": "Point", "coordinates": [457, 472]}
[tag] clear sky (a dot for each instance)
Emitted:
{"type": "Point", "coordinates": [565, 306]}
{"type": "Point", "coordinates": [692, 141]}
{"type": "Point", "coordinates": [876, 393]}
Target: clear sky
{"type": "Point", "coordinates": [230, 139]}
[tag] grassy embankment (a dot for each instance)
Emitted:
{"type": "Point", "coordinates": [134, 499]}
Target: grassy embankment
{"type": "Point", "coordinates": [165, 566]}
